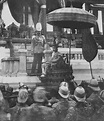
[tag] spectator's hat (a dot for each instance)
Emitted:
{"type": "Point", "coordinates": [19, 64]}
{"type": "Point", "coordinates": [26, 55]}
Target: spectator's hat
{"type": "Point", "coordinates": [22, 96]}
{"type": "Point", "coordinates": [38, 27]}
{"type": "Point", "coordinates": [101, 95]}
{"type": "Point", "coordinates": [94, 85]}
{"type": "Point", "coordinates": [39, 94]}
{"type": "Point", "coordinates": [63, 92]}
{"type": "Point", "coordinates": [79, 94]}
{"type": "Point", "coordinates": [64, 84]}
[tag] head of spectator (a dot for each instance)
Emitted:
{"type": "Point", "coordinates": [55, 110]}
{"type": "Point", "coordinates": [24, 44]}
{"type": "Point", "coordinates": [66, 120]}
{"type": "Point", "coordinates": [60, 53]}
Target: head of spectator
{"type": "Point", "coordinates": [22, 86]}
{"type": "Point", "coordinates": [39, 95]}
{"type": "Point", "coordinates": [10, 89]}
{"type": "Point", "coordinates": [22, 96]}
{"type": "Point", "coordinates": [80, 94]}
{"type": "Point", "coordinates": [63, 92]}
{"type": "Point", "coordinates": [93, 85]}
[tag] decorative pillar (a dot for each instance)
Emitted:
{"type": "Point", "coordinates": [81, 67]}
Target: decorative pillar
{"type": "Point", "coordinates": [42, 19]}
{"type": "Point", "coordinates": [103, 20]}
{"type": "Point", "coordinates": [15, 66]}
{"type": "Point", "coordinates": [5, 62]}
{"type": "Point", "coordinates": [26, 15]}
{"type": "Point", "coordinates": [22, 65]}
{"type": "Point", "coordinates": [10, 66]}
{"type": "Point", "coordinates": [5, 66]}
{"type": "Point", "coordinates": [96, 28]}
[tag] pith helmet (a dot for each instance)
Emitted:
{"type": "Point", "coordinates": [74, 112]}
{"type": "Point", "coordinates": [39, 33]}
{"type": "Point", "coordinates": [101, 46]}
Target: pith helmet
{"type": "Point", "coordinates": [63, 91]}
{"type": "Point", "coordinates": [38, 27]}
{"type": "Point", "coordinates": [94, 85]}
{"type": "Point", "coordinates": [79, 94]}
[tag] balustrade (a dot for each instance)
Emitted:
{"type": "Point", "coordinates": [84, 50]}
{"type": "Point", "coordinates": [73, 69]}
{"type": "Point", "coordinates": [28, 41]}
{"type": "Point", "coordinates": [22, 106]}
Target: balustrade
{"type": "Point", "coordinates": [10, 66]}
{"type": "Point", "coordinates": [23, 64]}
{"type": "Point", "coordinates": [76, 53]}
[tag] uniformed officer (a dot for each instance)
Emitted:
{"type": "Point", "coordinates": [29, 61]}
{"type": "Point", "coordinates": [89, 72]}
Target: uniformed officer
{"type": "Point", "coordinates": [37, 47]}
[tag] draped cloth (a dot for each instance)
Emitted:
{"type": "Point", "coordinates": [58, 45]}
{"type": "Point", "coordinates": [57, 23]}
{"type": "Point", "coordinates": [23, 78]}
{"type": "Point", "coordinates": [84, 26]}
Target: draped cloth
{"type": "Point", "coordinates": [16, 9]}
{"type": "Point", "coordinates": [89, 46]}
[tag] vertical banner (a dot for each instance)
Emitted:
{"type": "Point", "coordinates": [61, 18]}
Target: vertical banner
{"type": "Point", "coordinates": [89, 46]}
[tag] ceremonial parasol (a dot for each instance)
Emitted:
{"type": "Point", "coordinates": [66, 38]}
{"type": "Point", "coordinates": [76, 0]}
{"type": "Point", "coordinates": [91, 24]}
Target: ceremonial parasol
{"type": "Point", "coordinates": [71, 18]}
{"type": "Point", "coordinates": [75, 18]}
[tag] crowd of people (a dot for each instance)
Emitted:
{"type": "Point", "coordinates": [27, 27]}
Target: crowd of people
{"type": "Point", "coordinates": [38, 104]}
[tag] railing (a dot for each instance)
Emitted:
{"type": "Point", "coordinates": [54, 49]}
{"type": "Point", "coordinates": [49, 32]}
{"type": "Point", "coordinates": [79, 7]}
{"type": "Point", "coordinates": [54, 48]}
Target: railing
{"type": "Point", "coordinates": [76, 53]}
{"type": "Point", "coordinates": [76, 59]}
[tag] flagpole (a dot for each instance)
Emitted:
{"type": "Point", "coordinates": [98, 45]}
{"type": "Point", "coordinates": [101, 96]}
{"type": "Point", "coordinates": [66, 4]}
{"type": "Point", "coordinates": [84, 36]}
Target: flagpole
{"type": "Point", "coordinates": [91, 71]}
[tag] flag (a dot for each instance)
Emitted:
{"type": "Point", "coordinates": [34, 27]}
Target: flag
{"type": "Point", "coordinates": [89, 46]}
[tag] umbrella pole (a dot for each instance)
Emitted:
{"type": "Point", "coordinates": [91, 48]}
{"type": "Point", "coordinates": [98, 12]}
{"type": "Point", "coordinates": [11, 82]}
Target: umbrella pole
{"type": "Point", "coordinates": [91, 71]}
{"type": "Point", "coordinates": [69, 50]}
{"type": "Point", "coordinates": [69, 39]}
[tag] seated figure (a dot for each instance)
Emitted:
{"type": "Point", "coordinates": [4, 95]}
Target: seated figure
{"type": "Point", "coordinates": [57, 69]}
{"type": "Point", "coordinates": [56, 62]}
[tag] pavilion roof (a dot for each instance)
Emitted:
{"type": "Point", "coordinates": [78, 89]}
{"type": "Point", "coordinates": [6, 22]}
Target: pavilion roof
{"type": "Point", "coordinates": [89, 1]}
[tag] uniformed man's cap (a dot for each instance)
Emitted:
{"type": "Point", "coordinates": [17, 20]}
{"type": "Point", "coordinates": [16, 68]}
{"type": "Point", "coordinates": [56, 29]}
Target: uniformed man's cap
{"type": "Point", "coordinates": [94, 85]}
{"type": "Point", "coordinates": [38, 27]}
{"type": "Point", "coordinates": [79, 94]}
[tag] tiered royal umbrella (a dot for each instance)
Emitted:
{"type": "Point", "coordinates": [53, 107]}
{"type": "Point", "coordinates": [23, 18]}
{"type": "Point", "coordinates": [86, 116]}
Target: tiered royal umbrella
{"type": "Point", "coordinates": [76, 18]}
{"type": "Point", "coordinates": [71, 18]}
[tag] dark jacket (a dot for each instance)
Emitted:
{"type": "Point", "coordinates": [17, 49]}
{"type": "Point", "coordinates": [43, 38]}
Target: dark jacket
{"type": "Point", "coordinates": [95, 101]}
{"type": "Point", "coordinates": [81, 112]}
{"type": "Point", "coordinates": [61, 108]}
{"type": "Point", "coordinates": [42, 113]}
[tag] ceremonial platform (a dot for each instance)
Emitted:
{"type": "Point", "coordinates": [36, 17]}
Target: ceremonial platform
{"type": "Point", "coordinates": [16, 72]}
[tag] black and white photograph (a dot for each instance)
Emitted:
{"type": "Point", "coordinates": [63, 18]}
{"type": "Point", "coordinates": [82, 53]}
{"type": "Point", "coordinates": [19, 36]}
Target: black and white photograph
{"type": "Point", "coordinates": [51, 60]}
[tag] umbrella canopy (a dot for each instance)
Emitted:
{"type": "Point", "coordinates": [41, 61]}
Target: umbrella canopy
{"type": "Point", "coordinates": [71, 18]}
